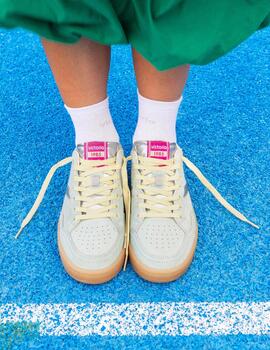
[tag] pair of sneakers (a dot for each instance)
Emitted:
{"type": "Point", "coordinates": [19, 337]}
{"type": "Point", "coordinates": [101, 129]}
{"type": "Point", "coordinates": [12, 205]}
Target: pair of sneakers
{"type": "Point", "coordinates": [101, 223]}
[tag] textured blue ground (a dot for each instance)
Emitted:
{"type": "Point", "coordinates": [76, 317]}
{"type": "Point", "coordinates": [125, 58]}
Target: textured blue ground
{"type": "Point", "coordinates": [223, 127]}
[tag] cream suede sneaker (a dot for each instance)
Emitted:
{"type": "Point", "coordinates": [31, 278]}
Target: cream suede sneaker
{"type": "Point", "coordinates": [163, 222]}
{"type": "Point", "coordinates": [92, 232]}
{"type": "Point", "coordinates": [164, 228]}
{"type": "Point", "coordinates": [91, 229]}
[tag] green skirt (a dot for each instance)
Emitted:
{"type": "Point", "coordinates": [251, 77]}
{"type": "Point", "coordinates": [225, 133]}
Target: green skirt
{"type": "Point", "coordinates": [168, 33]}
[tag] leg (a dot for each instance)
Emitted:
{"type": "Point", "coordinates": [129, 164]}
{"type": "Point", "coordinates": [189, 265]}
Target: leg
{"type": "Point", "coordinates": [80, 70]}
{"type": "Point", "coordinates": [159, 85]}
{"type": "Point", "coordinates": [159, 94]}
{"type": "Point", "coordinates": [163, 223]}
{"type": "Point", "coordinates": [91, 225]}
{"type": "Point", "coordinates": [81, 74]}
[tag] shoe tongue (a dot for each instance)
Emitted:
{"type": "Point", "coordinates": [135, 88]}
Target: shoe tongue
{"type": "Point", "coordinates": [156, 149]}
{"type": "Point", "coordinates": [97, 150]}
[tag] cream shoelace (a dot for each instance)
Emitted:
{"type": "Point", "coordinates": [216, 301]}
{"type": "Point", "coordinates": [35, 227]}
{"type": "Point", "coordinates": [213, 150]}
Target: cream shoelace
{"type": "Point", "coordinates": [163, 201]}
{"type": "Point", "coordinates": [93, 202]}
{"type": "Point", "coordinates": [157, 202]}
{"type": "Point", "coordinates": [96, 201]}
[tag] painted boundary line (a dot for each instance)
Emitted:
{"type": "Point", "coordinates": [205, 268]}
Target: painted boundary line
{"type": "Point", "coordinates": [140, 319]}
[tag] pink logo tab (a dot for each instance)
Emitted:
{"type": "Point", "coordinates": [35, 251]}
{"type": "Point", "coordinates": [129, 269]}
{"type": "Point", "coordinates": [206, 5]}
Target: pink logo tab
{"type": "Point", "coordinates": [158, 149]}
{"type": "Point", "coordinates": [95, 150]}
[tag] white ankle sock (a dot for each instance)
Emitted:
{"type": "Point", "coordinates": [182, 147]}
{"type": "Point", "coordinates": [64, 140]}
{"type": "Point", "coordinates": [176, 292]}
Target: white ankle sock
{"type": "Point", "coordinates": [93, 123]}
{"type": "Point", "coordinates": [156, 120]}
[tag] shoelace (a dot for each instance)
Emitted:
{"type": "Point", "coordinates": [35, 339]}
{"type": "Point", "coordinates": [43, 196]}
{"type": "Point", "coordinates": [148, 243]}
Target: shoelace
{"type": "Point", "coordinates": [88, 197]}
{"type": "Point", "coordinates": [126, 194]}
{"type": "Point", "coordinates": [164, 202]}
{"type": "Point", "coordinates": [96, 201]}
{"type": "Point", "coordinates": [159, 184]}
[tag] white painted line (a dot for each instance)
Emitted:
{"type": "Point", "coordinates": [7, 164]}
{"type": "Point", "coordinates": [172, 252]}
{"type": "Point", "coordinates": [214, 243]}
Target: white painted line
{"type": "Point", "coordinates": [139, 319]}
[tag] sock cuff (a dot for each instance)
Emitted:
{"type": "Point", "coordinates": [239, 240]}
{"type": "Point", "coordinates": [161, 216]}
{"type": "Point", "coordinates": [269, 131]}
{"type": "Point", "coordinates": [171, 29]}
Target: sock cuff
{"type": "Point", "coordinates": [96, 106]}
{"type": "Point", "coordinates": [162, 104]}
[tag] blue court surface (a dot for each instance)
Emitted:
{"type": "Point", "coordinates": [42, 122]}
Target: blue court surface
{"type": "Point", "coordinates": [223, 301]}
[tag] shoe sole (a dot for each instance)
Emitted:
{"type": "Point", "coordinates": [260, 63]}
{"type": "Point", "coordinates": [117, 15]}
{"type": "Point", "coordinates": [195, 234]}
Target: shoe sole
{"type": "Point", "coordinates": [159, 275]}
{"type": "Point", "coordinates": [90, 276]}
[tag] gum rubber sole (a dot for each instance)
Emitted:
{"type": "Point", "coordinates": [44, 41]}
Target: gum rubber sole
{"type": "Point", "coordinates": [158, 275]}
{"type": "Point", "coordinates": [91, 276]}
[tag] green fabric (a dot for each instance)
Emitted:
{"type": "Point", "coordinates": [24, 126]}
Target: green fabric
{"type": "Point", "coordinates": [166, 32]}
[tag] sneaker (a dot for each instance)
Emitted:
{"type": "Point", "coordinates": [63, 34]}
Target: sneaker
{"type": "Point", "coordinates": [92, 232]}
{"type": "Point", "coordinates": [164, 228]}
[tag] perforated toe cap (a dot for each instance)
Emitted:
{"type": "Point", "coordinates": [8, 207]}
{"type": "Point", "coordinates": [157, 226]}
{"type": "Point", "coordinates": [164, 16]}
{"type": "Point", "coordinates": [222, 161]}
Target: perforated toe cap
{"type": "Point", "coordinates": [95, 237]}
{"type": "Point", "coordinates": [160, 238]}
